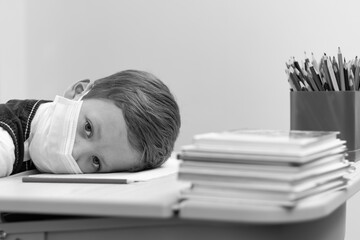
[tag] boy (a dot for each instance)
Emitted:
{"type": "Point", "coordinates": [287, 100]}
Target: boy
{"type": "Point", "coordinates": [128, 121]}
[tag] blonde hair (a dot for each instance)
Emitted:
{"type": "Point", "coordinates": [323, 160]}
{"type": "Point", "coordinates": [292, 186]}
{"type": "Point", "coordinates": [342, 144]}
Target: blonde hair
{"type": "Point", "coordinates": [150, 112]}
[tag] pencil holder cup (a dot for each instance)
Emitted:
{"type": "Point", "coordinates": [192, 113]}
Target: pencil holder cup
{"type": "Point", "coordinates": [329, 111]}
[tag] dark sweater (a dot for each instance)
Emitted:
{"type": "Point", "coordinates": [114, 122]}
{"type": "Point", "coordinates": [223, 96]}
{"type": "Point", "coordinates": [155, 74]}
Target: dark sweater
{"type": "Point", "coordinates": [15, 118]}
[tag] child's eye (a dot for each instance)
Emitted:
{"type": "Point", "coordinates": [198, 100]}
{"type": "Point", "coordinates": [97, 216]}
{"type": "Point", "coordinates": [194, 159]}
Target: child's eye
{"type": "Point", "coordinates": [96, 163]}
{"type": "Point", "coordinates": [88, 128]}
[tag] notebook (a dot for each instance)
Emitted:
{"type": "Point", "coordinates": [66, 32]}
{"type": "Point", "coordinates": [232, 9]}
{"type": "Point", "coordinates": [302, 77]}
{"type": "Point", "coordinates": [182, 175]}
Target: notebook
{"type": "Point", "coordinates": [168, 168]}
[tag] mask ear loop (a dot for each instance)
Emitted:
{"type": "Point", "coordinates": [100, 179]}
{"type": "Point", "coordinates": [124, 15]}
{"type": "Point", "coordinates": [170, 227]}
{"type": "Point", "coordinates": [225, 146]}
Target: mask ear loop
{"type": "Point", "coordinates": [88, 89]}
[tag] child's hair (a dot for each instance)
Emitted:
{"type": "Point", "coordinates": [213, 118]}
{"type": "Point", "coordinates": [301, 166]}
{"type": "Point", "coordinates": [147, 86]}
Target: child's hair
{"type": "Point", "coordinates": [150, 112]}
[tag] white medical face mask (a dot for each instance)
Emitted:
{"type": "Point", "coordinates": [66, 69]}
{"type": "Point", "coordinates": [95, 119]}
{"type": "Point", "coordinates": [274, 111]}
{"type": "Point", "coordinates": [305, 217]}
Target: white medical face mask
{"type": "Point", "coordinates": [53, 141]}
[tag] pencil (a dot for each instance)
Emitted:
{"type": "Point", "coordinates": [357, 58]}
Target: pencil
{"type": "Point", "coordinates": [346, 79]}
{"type": "Point", "coordinates": [303, 87]}
{"type": "Point", "coordinates": [308, 87]}
{"type": "Point", "coordinates": [316, 78]}
{"type": "Point", "coordinates": [336, 72]}
{"type": "Point", "coordinates": [331, 74]}
{"type": "Point", "coordinates": [290, 81]}
{"type": "Point", "coordinates": [310, 81]}
{"type": "Point", "coordinates": [298, 70]}
{"type": "Point", "coordinates": [350, 76]}
{"type": "Point", "coordinates": [356, 75]}
{"type": "Point", "coordinates": [314, 62]}
{"type": "Point", "coordinates": [341, 71]}
{"type": "Point", "coordinates": [326, 72]}
{"type": "Point", "coordinates": [294, 79]}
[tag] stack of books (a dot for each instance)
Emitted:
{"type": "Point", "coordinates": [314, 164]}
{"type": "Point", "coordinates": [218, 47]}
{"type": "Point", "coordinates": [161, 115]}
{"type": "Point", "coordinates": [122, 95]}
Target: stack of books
{"type": "Point", "coordinates": [263, 166]}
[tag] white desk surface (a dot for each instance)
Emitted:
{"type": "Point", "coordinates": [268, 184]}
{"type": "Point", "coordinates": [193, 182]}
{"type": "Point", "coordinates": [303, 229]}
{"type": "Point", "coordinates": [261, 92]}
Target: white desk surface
{"type": "Point", "coordinates": [154, 198]}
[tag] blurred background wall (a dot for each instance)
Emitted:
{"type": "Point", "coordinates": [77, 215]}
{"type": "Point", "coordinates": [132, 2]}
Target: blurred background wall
{"type": "Point", "coordinates": [224, 60]}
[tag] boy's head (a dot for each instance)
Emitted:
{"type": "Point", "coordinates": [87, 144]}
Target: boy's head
{"type": "Point", "coordinates": [132, 100]}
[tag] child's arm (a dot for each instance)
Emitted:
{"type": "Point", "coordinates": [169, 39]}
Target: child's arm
{"type": "Point", "coordinates": [7, 155]}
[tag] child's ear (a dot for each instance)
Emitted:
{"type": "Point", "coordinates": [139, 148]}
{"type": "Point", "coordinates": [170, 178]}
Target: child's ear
{"type": "Point", "coordinates": [77, 89]}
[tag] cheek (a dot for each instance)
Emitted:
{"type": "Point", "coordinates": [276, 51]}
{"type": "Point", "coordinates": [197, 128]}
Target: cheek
{"type": "Point", "coordinates": [82, 166]}
{"type": "Point", "coordinates": [79, 142]}
{"type": "Point", "coordinates": [78, 153]}
{"type": "Point", "coordinates": [76, 149]}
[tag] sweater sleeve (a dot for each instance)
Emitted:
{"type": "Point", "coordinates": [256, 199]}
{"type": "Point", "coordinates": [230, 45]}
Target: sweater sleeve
{"type": "Point", "coordinates": [7, 155]}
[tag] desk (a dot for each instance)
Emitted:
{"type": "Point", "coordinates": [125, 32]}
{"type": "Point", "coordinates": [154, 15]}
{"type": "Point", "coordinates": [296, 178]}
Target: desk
{"type": "Point", "coordinates": [150, 210]}
{"type": "Point", "coordinates": [154, 198]}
